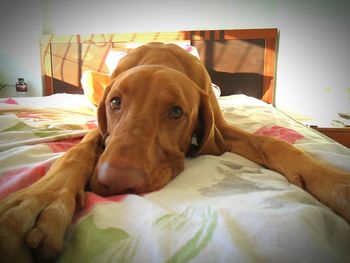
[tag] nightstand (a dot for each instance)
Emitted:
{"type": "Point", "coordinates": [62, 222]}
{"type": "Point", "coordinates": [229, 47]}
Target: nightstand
{"type": "Point", "coordinates": [341, 135]}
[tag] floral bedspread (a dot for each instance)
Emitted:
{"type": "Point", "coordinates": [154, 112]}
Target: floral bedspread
{"type": "Point", "coordinates": [220, 209]}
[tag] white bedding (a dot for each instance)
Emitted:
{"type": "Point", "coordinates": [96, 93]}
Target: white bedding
{"type": "Point", "coordinates": [220, 209]}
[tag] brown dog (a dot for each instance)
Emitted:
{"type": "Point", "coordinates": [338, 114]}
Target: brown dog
{"type": "Point", "coordinates": [158, 108]}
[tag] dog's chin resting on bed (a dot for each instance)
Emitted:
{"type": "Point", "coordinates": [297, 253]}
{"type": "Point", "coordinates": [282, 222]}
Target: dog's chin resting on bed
{"type": "Point", "coordinates": [158, 108]}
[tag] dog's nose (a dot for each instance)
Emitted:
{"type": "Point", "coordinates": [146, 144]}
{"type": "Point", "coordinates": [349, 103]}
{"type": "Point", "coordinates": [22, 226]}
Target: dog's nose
{"type": "Point", "coordinates": [119, 179]}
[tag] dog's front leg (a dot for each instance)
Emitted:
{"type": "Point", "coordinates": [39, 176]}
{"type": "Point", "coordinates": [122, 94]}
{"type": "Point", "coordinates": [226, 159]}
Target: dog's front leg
{"type": "Point", "coordinates": [328, 184]}
{"type": "Point", "coordinates": [33, 221]}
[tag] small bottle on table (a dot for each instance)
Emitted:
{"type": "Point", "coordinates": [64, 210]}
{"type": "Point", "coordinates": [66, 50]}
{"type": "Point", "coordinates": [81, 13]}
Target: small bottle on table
{"type": "Point", "coordinates": [21, 87]}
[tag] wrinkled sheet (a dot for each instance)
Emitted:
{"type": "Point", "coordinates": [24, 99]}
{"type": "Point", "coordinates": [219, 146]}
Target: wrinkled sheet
{"type": "Point", "coordinates": [220, 209]}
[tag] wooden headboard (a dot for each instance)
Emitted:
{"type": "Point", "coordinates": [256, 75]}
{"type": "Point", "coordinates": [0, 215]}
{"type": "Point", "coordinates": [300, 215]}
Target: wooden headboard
{"type": "Point", "coordinates": [238, 61]}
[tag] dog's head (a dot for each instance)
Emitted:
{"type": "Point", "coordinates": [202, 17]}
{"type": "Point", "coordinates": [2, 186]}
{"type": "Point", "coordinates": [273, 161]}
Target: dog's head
{"type": "Point", "coordinates": [151, 117]}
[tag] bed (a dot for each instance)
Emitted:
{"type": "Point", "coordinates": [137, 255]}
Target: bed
{"type": "Point", "coordinates": [221, 208]}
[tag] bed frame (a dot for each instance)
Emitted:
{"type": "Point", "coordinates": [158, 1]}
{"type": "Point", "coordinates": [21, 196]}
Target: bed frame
{"type": "Point", "coordinates": [239, 61]}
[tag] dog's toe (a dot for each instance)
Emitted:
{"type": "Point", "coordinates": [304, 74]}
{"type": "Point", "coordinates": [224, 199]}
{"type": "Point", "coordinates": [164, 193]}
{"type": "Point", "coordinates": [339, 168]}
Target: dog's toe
{"type": "Point", "coordinates": [32, 225]}
{"type": "Point", "coordinates": [51, 226]}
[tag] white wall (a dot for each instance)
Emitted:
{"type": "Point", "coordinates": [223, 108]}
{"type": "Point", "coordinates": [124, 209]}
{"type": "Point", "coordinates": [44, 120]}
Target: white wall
{"type": "Point", "coordinates": [20, 30]}
{"type": "Point", "coordinates": [314, 58]}
{"type": "Point", "coordinates": [314, 50]}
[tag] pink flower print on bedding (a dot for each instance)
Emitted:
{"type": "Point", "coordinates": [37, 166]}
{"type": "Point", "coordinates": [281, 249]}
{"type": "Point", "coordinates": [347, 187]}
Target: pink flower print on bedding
{"type": "Point", "coordinates": [280, 132]}
{"type": "Point", "coordinates": [9, 101]}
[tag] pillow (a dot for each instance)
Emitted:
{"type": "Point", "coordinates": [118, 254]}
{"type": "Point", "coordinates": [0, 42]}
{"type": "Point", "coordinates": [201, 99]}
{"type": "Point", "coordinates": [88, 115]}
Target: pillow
{"type": "Point", "coordinates": [113, 58]}
{"type": "Point", "coordinates": [94, 84]}
{"type": "Point", "coordinates": [216, 89]}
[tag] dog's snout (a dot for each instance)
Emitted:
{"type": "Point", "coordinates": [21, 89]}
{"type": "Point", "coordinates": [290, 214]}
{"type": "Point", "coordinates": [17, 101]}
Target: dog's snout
{"type": "Point", "coordinates": [119, 179]}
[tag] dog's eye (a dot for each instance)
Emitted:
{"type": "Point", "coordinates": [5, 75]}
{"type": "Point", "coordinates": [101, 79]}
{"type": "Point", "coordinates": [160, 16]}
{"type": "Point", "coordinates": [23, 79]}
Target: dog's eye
{"type": "Point", "coordinates": [116, 103]}
{"type": "Point", "coordinates": [175, 112]}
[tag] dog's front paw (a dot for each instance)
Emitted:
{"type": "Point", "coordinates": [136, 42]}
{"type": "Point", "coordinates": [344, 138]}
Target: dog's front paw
{"type": "Point", "coordinates": [33, 222]}
{"type": "Point", "coordinates": [332, 187]}
{"type": "Point", "coordinates": [337, 194]}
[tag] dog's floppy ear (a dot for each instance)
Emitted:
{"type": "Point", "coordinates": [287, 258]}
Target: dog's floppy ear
{"type": "Point", "coordinates": [209, 137]}
{"type": "Point", "coordinates": [101, 111]}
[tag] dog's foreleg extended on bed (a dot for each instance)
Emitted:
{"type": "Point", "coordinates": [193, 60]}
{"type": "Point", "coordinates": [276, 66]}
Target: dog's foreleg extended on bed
{"type": "Point", "coordinates": [329, 185]}
{"type": "Point", "coordinates": [33, 221]}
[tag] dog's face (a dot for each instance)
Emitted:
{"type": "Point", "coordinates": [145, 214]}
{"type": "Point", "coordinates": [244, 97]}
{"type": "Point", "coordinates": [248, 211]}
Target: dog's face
{"type": "Point", "coordinates": [147, 117]}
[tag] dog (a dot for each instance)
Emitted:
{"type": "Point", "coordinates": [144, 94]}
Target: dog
{"type": "Point", "coordinates": [158, 108]}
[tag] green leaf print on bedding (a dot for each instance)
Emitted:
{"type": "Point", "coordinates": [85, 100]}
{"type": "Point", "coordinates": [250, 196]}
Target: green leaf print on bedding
{"type": "Point", "coordinates": [89, 242]}
{"type": "Point", "coordinates": [47, 133]}
{"type": "Point", "coordinates": [208, 220]}
{"type": "Point", "coordinates": [21, 126]}
{"type": "Point", "coordinates": [58, 130]}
